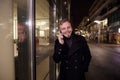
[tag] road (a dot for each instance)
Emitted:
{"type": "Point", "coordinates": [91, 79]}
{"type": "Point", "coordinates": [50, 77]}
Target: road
{"type": "Point", "coordinates": [105, 63]}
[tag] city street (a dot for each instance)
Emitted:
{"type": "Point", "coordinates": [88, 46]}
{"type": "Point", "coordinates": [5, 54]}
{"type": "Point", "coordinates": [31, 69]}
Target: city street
{"type": "Point", "coordinates": [105, 63]}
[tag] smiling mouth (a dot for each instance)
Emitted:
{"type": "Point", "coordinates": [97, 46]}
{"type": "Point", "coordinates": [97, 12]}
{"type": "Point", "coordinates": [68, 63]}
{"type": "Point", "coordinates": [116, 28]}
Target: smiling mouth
{"type": "Point", "coordinates": [67, 35]}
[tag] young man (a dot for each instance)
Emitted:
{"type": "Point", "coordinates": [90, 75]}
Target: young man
{"type": "Point", "coordinates": [72, 52]}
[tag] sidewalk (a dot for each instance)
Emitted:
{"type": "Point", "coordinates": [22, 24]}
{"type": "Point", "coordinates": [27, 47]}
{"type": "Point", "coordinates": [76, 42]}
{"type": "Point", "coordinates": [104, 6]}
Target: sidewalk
{"type": "Point", "coordinates": [42, 61]}
{"type": "Point", "coordinates": [42, 70]}
{"type": "Point", "coordinates": [105, 44]}
{"type": "Point", "coordinates": [112, 47]}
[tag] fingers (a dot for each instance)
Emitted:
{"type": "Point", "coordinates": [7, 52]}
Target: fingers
{"type": "Point", "coordinates": [60, 38]}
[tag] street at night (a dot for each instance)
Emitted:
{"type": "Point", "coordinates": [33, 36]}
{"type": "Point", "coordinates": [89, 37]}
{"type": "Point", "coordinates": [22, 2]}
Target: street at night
{"type": "Point", "coordinates": [105, 63]}
{"type": "Point", "coordinates": [46, 39]}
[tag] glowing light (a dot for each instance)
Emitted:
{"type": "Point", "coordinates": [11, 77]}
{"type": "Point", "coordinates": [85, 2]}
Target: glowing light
{"type": "Point", "coordinates": [54, 30]}
{"type": "Point", "coordinates": [41, 23]}
{"type": "Point", "coordinates": [97, 21]}
{"type": "Point", "coordinates": [29, 23]}
{"type": "Point", "coordinates": [118, 30]}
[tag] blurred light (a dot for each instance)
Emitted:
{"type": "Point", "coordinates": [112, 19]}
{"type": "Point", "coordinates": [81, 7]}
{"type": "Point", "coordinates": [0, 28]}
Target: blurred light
{"type": "Point", "coordinates": [41, 33]}
{"type": "Point", "coordinates": [54, 8]}
{"type": "Point", "coordinates": [83, 35]}
{"type": "Point", "coordinates": [41, 23]}
{"type": "Point", "coordinates": [76, 29]}
{"type": "Point", "coordinates": [15, 30]}
{"type": "Point", "coordinates": [56, 21]}
{"type": "Point", "coordinates": [97, 21]}
{"type": "Point", "coordinates": [88, 19]}
{"type": "Point", "coordinates": [29, 23]}
{"type": "Point", "coordinates": [65, 2]}
{"type": "Point", "coordinates": [118, 30]}
{"type": "Point", "coordinates": [54, 30]}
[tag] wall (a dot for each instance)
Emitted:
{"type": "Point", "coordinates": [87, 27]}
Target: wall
{"type": "Point", "coordinates": [6, 41]}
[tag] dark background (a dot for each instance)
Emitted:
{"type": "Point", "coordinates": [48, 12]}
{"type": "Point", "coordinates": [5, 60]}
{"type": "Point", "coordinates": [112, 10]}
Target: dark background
{"type": "Point", "coordinates": [79, 9]}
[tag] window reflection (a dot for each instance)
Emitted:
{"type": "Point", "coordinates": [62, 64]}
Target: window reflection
{"type": "Point", "coordinates": [22, 34]}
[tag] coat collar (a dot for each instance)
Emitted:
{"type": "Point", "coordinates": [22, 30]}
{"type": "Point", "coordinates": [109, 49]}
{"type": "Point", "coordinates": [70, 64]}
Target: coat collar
{"type": "Point", "coordinates": [75, 44]}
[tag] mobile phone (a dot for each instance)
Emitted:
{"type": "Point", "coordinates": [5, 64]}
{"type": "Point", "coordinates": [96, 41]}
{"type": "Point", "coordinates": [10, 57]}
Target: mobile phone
{"type": "Point", "coordinates": [61, 33]}
{"type": "Point", "coordinates": [60, 37]}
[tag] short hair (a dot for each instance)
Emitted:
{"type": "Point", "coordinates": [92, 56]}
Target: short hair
{"type": "Point", "coordinates": [63, 21]}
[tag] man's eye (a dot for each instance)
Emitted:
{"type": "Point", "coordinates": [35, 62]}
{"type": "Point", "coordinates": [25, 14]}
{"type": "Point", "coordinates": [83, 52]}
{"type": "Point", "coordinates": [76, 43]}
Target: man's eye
{"type": "Point", "coordinates": [63, 29]}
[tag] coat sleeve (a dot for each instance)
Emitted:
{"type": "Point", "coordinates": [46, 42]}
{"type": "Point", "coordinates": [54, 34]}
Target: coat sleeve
{"type": "Point", "coordinates": [57, 51]}
{"type": "Point", "coordinates": [87, 55]}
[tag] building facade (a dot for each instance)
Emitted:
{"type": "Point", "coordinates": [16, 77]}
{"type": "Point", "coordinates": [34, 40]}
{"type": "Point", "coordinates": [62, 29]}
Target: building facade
{"type": "Point", "coordinates": [104, 21]}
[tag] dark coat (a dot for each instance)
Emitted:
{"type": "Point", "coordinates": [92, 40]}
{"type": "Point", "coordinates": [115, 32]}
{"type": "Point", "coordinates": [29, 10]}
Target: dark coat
{"type": "Point", "coordinates": [74, 60]}
{"type": "Point", "coordinates": [21, 63]}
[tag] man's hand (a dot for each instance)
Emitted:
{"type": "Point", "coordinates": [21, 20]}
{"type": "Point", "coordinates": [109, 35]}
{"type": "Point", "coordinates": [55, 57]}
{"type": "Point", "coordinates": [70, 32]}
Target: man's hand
{"type": "Point", "coordinates": [60, 38]}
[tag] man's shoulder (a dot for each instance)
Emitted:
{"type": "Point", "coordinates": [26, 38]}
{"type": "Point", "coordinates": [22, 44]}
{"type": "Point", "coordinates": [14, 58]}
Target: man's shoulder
{"type": "Point", "coordinates": [79, 36]}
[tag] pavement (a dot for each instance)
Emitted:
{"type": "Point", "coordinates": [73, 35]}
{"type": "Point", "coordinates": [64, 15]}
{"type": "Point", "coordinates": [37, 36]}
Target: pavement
{"type": "Point", "coordinates": [42, 70]}
{"type": "Point", "coordinates": [112, 45]}
{"type": "Point", "coordinates": [42, 61]}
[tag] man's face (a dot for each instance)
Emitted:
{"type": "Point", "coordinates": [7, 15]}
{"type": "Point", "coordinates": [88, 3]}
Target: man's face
{"type": "Point", "coordinates": [21, 33]}
{"type": "Point", "coordinates": [66, 29]}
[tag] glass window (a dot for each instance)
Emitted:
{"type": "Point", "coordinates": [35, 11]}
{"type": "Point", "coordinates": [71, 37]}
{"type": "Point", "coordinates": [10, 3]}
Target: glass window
{"type": "Point", "coordinates": [24, 53]}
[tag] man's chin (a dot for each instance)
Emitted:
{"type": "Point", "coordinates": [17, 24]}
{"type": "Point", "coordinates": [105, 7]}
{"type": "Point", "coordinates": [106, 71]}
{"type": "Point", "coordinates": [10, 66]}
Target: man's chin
{"type": "Point", "coordinates": [67, 36]}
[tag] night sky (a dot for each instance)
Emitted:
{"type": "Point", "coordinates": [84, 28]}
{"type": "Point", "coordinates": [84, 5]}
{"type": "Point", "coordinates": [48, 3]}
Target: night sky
{"type": "Point", "coordinates": [79, 9]}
